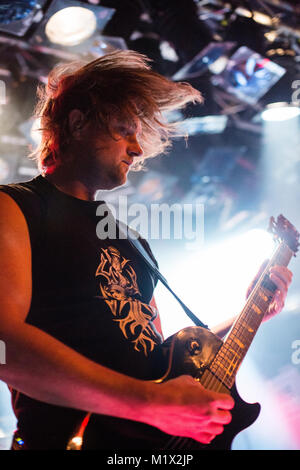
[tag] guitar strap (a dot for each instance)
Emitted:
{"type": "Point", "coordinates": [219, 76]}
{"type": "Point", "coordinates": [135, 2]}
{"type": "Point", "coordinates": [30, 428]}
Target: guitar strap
{"type": "Point", "coordinates": [138, 247]}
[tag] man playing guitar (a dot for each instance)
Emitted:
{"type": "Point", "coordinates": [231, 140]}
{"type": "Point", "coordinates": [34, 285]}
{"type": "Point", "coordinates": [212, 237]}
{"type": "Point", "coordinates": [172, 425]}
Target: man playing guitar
{"type": "Point", "coordinates": [78, 315]}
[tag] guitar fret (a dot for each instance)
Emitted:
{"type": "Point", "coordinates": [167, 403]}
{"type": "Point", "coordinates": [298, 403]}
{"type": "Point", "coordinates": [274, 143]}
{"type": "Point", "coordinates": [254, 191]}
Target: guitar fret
{"type": "Point", "coordinates": [239, 343]}
{"type": "Point", "coordinates": [236, 345]}
{"type": "Point", "coordinates": [263, 296]}
{"type": "Point", "coordinates": [247, 327]}
{"type": "Point", "coordinates": [256, 309]}
{"type": "Point", "coordinates": [243, 338]}
{"type": "Point", "coordinates": [260, 302]}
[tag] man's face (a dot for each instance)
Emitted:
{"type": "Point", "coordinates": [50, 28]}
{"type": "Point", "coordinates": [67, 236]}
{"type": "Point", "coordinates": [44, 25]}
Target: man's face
{"type": "Point", "coordinates": [103, 159]}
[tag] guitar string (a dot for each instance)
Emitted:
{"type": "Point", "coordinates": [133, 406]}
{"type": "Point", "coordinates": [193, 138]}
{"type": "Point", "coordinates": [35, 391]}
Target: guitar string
{"type": "Point", "coordinates": [216, 382]}
{"type": "Point", "coordinates": [278, 256]}
{"type": "Point", "coordinates": [246, 315]}
{"type": "Point", "coordinates": [212, 382]}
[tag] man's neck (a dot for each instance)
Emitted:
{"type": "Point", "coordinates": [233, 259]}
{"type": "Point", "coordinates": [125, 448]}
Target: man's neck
{"type": "Point", "coordinates": [71, 186]}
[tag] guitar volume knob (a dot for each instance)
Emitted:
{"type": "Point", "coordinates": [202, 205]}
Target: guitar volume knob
{"type": "Point", "coordinates": [194, 347]}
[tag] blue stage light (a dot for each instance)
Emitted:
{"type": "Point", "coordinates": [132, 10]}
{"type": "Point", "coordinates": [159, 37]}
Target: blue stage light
{"type": "Point", "coordinates": [15, 11]}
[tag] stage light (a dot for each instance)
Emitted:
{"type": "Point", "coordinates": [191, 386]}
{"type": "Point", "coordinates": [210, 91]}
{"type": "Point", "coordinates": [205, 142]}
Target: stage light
{"type": "Point", "coordinates": [71, 26]}
{"type": "Point", "coordinates": [214, 53]}
{"type": "Point", "coordinates": [17, 17]}
{"type": "Point", "coordinates": [248, 75]}
{"type": "Point", "coordinates": [2, 92]}
{"type": "Point", "coordinates": [10, 13]}
{"type": "Point", "coordinates": [101, 45]}
{"type": "Point", "coordinates": [35, 132]}
{"type": "Point", "coordinates": [4, 170]}
{"type": "Point", "coordinates": [280, 112]}
{"type": "Point", "coordinates": [30, 130]}
{"type": "Point", "coordinates": [257, 16]}
{"type": "Point", "coordinates": [226, 268]}
{"type": "Point", "coordinates": [204, 125]}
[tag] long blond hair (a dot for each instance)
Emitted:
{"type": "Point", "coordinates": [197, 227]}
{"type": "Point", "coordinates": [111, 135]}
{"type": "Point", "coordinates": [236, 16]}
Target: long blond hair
{"type": "Point", "coordinates": [119, 83]}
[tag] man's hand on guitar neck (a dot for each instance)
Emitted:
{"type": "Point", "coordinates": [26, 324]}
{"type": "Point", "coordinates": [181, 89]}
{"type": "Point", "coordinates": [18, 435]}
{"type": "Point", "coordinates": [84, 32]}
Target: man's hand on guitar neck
{"type": "Point", "coordinates": [183, 407]}
{"type": "Point", "coordinates": [282, 277]}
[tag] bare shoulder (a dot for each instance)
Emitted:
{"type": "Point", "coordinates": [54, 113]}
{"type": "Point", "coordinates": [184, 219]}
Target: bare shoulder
{"type": "Point", "coordinates": [9, 208]}
{"type": "Point", "coordinates": [15, 258]}
{"type": "Point", "coordinates": [13, 224]}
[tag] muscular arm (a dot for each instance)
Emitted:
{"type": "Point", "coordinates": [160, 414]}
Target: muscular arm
{"type": "Point", "coordinates": [45, 369]}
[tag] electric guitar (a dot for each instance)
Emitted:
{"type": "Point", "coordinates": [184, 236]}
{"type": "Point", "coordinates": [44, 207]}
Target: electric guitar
{"type": "Point", "coordinates": [211, 361]}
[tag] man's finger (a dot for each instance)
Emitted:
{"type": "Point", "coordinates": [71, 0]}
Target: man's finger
{"type": "Point", "coordinates": [226, 402]}
{"type": "Point", "coordinates": [280, 284]}
{"type": "Point", "coordinates": [222, 417]}
{"type": "Point", "coordinates": [282, 273]}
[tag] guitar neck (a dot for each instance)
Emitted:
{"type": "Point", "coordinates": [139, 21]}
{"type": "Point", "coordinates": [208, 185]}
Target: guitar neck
{"type": "Point", "coordinates": [241, 335]}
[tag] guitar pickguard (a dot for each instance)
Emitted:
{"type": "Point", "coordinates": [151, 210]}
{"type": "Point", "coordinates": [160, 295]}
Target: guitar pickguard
{"type": "Point", "coordinates": [190, 351]}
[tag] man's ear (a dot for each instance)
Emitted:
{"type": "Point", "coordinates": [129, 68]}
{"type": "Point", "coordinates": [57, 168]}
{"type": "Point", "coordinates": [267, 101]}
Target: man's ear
{"type": "Point", "coordinates": [76, 121]}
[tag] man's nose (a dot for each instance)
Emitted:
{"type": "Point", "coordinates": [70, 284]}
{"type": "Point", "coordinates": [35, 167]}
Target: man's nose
{"type": "Point", "coordinates": [134, 149]}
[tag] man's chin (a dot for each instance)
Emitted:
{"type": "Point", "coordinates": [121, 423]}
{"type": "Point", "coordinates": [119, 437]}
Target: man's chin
{"type": "Point", "coordinates": [115, 183]}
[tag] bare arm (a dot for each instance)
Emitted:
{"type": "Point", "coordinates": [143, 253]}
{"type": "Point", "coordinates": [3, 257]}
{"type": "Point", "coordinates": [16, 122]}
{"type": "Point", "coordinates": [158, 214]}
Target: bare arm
{"type": "Point", "coordinates": [222, 329]}
{"type": "Point", "coordinates": [45, 369]}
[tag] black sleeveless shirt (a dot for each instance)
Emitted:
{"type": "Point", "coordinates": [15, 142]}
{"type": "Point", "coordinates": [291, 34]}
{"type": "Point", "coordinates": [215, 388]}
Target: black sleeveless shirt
{"type": "Point", "coordinates": [91, 294]}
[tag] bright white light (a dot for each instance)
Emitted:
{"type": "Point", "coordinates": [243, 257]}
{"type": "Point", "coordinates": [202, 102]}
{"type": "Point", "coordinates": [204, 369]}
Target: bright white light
{"type": "Point", "coordinates": [205, 124]}
{"type": "Point", "coordinates": [35, 133]}
{"type": "Point", "coordinates": [213, 282]}
{"type": "Point", "coordinates": [280, 112]}
{"type": "Point", "coordinates": [71, 26]}
{"type": "Point", "coordinates": [218, 65]}
{"type": "Point", "coordinates": [257, 16]}
{"type": "Point", "coordinates": [2, 93]}
{"type": "Point", "coordinates": [4, 171]}
{"type": "Point", "coordinates": [168, 52]}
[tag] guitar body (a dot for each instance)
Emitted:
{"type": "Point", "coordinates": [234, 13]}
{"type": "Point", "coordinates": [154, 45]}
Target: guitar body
{"type": "Point", "coordinates": [191, 351]}
{"type": "Point", "coordinates": [188, 352]}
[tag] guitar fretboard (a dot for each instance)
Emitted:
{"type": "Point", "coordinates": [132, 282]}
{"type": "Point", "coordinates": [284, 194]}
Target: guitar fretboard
{"type": "Point", "coordinates": [235, 347]}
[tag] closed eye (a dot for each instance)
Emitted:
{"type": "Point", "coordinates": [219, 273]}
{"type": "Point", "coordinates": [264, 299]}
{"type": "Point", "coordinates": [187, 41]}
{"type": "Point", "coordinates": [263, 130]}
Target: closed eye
{"type": "Point", "coordinates": [127, 130]}
{"type": "Point", "coordinates": [123, 131]}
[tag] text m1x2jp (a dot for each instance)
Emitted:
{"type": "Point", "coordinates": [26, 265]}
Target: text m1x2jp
{"type": "Point", "coordinates": [167, 459]}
